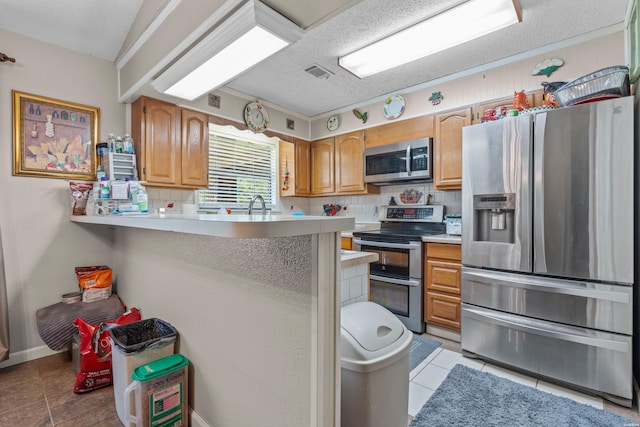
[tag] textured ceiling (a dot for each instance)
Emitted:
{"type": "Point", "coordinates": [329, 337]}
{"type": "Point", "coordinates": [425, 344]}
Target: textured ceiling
{"type": "Point", "coordinates": [281, 79]}
{"type": "Point", "coordinates": [333, 28]}
{"type": "Point", "coordinates": [94, 27]}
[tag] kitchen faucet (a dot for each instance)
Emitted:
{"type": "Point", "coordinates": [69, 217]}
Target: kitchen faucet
{"type": "Point", "coordinates": [257, 197]}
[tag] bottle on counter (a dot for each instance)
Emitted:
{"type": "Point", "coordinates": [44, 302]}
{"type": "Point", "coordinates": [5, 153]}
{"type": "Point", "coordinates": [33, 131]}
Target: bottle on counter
{"type": "Point", "coordinates": [128, 144]}
{"type": "Point", "coordinates": [105, 188]}
{"type": "Point", "coordinates": [111, 143]}
{"type": "Point", "coordinates": [141, 199]}
{"type": "Point", "coordinates": [119, 145]}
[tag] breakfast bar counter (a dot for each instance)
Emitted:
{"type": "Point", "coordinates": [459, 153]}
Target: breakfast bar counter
{"type": "Point", "coordinates": [255, 301]}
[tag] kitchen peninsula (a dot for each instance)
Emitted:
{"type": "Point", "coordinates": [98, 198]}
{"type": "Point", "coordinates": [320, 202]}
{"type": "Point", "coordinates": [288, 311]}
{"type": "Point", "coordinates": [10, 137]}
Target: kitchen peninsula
{"type": "Point", "coordinates": [255, 304]}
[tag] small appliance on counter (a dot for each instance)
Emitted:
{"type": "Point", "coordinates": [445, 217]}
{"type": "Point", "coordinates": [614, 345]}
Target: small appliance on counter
{"type": "Point", "coordinates": [453, 223]}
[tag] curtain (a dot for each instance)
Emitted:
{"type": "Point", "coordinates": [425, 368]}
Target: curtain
{"type": "Point", "coordinates": [4, 310]}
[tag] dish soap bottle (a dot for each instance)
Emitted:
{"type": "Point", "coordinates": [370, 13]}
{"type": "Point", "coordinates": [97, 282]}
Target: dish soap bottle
{"type": "Point", "coordinates": [141, 199]}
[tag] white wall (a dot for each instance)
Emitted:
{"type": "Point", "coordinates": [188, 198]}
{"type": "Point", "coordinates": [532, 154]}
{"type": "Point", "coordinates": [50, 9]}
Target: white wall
{"type": "Point", "coordinates": [41, 247]}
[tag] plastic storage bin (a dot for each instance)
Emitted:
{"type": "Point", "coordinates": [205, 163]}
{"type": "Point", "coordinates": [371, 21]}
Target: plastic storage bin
{"type": "Point", "coordinates": [375, 349]}
{"type": "Point", "coordinates": [159, 393]}
{"type": "Point", "coordinates": [134, 345]}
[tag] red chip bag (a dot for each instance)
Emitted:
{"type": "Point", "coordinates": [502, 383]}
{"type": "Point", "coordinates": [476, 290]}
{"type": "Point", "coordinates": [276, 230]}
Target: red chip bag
{"type": "Point", "coordinates": [95, 352]}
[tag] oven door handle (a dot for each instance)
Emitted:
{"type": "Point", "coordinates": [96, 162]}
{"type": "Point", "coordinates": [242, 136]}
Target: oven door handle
{"type": "Point", "coordinates": [384, 279]}
{"type": "Point", "coordinates": [411, 246]}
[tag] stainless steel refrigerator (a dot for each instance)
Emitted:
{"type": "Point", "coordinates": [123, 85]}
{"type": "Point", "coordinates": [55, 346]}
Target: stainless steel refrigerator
{"type": "Point", "coordinates": [548, 245]}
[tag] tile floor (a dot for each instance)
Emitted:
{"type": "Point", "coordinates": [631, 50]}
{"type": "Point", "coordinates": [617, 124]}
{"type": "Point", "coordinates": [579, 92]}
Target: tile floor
{"type": "Point", "coordinates": [40, 392]}
{"type": "Point", "coordinates": [427, 376]}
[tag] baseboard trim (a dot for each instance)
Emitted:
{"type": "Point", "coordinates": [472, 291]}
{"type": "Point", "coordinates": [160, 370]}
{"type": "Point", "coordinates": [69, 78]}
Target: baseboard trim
{"type": "Point", "coordinates": [196, 420]}
{"type": "Point", "coordinates": [443, 333]}
{"type": "Point", "coordinates": [28, 355]}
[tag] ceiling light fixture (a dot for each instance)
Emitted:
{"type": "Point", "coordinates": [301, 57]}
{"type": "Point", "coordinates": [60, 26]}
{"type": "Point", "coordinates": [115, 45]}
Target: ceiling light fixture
{"type": "Point", "coordinates": [465, 22]}
{"type": "Point", "coordinates": [251, 34]}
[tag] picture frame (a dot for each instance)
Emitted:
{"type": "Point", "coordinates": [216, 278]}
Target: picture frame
{"type": "Point", "coordinates": [54, 138]}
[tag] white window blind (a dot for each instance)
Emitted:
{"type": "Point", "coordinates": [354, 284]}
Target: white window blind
{"type": "Point", "coordinates": [239, 168]}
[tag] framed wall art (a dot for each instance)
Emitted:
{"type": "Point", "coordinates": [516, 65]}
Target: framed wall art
{"type": "Point", "coordinates": [54, 138]}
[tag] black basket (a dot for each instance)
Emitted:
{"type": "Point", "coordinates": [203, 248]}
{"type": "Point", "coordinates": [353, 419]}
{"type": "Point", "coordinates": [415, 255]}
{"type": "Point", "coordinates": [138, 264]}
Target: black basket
{"type": "Point", "coordinates": [137, 336]}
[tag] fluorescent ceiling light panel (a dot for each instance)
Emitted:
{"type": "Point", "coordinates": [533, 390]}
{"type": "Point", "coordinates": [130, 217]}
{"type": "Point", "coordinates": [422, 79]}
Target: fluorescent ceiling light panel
{"type": "Point", "coordinates": [254, 32]}
{"type": "Point", "coordinates": [470, 20]}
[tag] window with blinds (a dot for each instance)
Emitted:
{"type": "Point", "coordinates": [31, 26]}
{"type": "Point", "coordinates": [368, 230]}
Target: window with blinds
{"type": "Point", "coordinates": [239, 168]}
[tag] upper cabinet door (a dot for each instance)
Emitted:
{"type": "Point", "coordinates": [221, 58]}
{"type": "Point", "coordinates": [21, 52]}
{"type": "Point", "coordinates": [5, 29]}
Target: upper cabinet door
{"type": "Point", "coordinates": [349, 156]}
{"type": "Point", "coordinates": [322, 166]}
{"type": "Point", "coordinates": [162, 141]}
{"type": "Point", "coordinates": [303, 163]}
{"type": "Point", "coordinates": [195, 148]}
{"type": "Point", "coordinates": [447, 156]}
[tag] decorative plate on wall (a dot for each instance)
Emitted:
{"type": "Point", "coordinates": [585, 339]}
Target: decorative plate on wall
{"type": "Point", "coordinates": [393, 107]}
{"type": "Point", "coordinates": [411, 196]}
{"type": "Point", "coordinates": [333, 123]}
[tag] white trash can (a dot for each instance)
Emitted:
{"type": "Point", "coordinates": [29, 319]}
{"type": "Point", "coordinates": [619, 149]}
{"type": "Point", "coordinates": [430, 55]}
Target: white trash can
{"type": "Point", "coordinates": [375, 349]}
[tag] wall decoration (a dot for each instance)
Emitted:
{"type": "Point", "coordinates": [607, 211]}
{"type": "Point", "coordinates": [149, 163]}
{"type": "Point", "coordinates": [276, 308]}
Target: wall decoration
{"type": "Point", "coordinates": [291, 124]}
{"type": "Point", "coordinates": [411, 196]}
{"type": "Point", "coordinates": [213, 100]}
{"type": "Point", "coordinates": [333, 123]}
{"type": "Point", "coordinates": [67, 147]}
{"type": "Point", "coordinates": [547, 67]}
{"type": "Point", "coordinates": [436, 98]}
{"type": "Point", "coordinates": [393, 107]}
{"type": "Point", "coordinates": [361, 116]}
{"type": "Point", "coordinates": [256, 117]}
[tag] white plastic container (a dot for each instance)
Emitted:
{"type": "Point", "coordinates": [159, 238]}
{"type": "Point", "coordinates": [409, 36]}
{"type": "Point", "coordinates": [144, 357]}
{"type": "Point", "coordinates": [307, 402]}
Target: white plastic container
{"type": "Point", "coordinates": [157, 396]}
{"type": "Point", "coordinates": [375, 349]}
{"type": "Point", "coordinates": [134, 345]}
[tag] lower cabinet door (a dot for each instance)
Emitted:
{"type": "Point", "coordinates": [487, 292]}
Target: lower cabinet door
{"type": "Point", "coordinates": [442, 309]}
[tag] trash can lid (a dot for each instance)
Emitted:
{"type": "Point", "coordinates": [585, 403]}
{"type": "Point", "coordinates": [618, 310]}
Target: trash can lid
{"type": "Point", "coordinates": [159, 367]}
{"type": "Point", "coordinates": [371, 325]}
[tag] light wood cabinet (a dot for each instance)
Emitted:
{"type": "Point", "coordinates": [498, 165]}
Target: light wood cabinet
{"type": "Point", "coordinates": [442, 273]}
{"type": "Point", "coordinates": [323, 166]}
{"type": "Point", "coordinates": [303, 164]}
{"type": "Point", "coordinates": [171, 143]}
{"type": "Point", "coordinates": [337, 166]}
{"type": "Point", "coordinates": [346, 243]}
{"type": "Point", "coordinates": [398, 131]}
{"type": "Point", "coordinates": [294, 160]}
{"type": "Point", "coordinates": [349, 158]}
{"type": "Point", "coordinates": [194, 159]}
{"type": "Point", "coordinates": [447, 151]}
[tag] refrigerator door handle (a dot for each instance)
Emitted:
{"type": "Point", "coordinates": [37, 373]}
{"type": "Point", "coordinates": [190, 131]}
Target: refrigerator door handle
{"type": "Point", "coordinates": [539, 256]}
{"type": "Point", "coordinates": [546, 329]}
{"type": "Point", "coordinates": [552, 286]}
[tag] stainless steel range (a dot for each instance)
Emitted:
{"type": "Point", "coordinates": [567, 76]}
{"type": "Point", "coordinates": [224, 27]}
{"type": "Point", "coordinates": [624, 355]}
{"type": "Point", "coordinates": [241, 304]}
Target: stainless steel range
{"type": "Point", "coordinates": [396, 279]}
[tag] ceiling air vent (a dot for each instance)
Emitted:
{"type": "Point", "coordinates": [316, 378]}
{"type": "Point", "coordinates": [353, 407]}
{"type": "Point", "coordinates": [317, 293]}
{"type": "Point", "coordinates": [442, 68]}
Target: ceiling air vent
{"type": "Point", "coordinates": [319, 72]}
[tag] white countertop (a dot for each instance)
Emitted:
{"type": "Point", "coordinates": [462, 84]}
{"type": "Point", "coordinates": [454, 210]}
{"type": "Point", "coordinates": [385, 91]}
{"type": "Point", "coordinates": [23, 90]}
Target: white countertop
{"type": "Point", "coordinates": [239, 226]}
{"type": "Point", "coordinates": [351, 258]}
{"type": "Point", "coordinates": [362, 226]}
{"type": "Point", "coordinates": [443, 238]}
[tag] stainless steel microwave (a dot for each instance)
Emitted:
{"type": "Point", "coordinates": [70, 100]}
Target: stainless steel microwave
{"type": "Point", "coordinates": [402, 161]}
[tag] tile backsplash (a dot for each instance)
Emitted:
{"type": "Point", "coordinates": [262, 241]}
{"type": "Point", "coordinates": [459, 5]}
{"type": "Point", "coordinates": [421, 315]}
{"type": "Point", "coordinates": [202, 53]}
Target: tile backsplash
{"type": "Point", "coordinates": [363, 208]}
